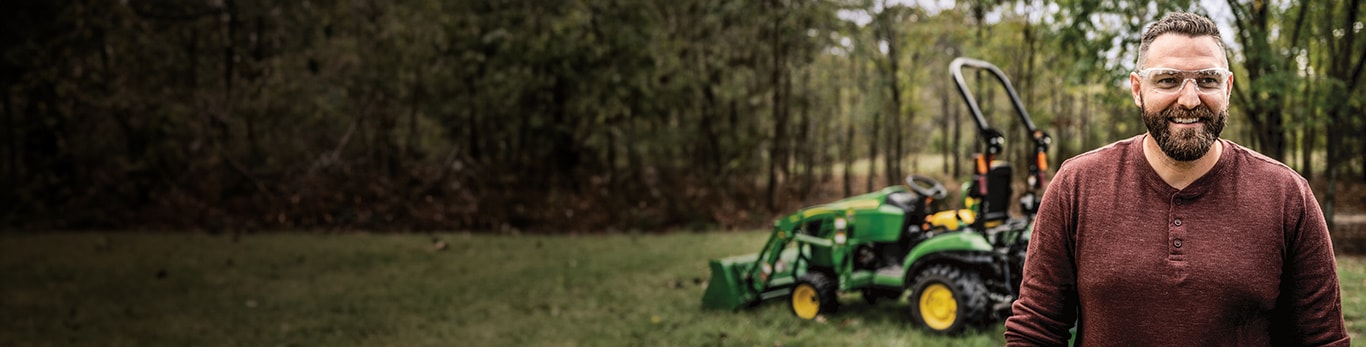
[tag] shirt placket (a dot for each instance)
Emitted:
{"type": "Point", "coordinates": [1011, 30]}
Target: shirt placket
{"type": "Point", "coordinates": [1177, 243]}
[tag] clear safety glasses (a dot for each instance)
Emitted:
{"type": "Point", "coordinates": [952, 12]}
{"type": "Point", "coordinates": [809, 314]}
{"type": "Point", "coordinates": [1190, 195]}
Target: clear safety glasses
{"type": "Point", "coordinates": [1171, 81]}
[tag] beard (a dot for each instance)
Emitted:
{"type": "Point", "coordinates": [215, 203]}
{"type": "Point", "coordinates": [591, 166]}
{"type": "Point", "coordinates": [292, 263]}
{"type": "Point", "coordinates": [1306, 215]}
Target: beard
{"type": "Point", "coordinates": [1185, 144]}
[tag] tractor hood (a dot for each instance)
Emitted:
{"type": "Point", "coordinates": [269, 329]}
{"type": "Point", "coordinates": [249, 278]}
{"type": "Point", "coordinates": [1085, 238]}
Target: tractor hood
{"type": "Point", "coordinates": [876, 211]}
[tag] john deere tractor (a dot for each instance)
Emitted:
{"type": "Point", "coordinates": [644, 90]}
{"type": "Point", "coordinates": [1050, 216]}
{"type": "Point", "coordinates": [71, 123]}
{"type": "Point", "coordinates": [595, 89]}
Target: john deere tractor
{"type": "Point", "coordinates": [960, 266]}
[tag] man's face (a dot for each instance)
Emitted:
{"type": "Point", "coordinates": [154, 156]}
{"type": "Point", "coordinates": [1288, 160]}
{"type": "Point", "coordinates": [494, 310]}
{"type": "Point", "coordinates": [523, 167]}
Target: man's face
{"type": "Point", "coordinates": [1185, 122]}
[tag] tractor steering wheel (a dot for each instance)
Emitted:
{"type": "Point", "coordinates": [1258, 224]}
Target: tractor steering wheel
{"type": "Point", "coordinates": [926, 186]}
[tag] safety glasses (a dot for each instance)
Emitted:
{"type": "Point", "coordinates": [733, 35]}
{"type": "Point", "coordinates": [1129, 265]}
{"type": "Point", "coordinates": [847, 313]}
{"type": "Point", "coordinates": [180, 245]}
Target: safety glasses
{"type": "Point", "coordinates": [1171, 81]}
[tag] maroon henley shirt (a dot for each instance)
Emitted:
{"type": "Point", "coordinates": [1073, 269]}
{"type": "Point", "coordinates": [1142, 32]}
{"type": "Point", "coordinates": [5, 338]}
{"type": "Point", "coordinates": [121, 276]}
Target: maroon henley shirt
{"type": "Point", "coordinates": [1241, 257]}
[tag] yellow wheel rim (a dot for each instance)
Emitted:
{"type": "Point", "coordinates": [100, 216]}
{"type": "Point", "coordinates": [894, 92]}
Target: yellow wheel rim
{"type": "Point", "coordinates": [805, 302]}
{"type": "Point", "coordinates": [938, 307]}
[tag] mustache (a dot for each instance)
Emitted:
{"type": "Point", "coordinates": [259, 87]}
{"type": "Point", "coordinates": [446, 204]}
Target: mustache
{"type": "Point", "coordinates": [1203, 112]}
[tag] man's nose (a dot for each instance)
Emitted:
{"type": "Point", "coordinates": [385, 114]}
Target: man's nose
{"type": "Point", "coordinates": [1188, 97]}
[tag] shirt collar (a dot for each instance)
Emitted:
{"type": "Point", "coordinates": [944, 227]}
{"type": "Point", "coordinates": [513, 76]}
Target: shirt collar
{"type": "Point", "coordinates": [1196, 189]}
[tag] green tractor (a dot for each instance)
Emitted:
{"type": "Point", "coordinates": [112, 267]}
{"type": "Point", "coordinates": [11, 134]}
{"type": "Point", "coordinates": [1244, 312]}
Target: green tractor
{"type": "Point", "coordinates": [961, 267]}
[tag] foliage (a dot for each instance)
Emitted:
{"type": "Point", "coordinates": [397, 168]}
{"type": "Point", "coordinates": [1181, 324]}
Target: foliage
{"type": "Point", "coordinates": [585, 114]}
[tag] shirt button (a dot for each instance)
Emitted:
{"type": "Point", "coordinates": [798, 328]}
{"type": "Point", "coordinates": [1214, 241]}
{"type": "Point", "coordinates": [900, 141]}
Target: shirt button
{"type": "Point", "coordinates": [1178, 222]}
{"type": "Point", "coordinates": [1178, 202]}
{"type": "Point", "coordinates": [1177, 243]}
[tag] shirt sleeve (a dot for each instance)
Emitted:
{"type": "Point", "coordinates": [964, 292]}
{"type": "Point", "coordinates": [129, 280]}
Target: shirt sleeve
{"type": "Point", "coordinates": [1047, 307]}
{"type": "Point", "coordinates": [1310, 302]}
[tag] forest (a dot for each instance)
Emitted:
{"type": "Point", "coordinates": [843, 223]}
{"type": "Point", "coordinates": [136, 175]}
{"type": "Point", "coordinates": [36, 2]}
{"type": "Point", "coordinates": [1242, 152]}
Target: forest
{"type": "Point", "coordinates": [597, 115]}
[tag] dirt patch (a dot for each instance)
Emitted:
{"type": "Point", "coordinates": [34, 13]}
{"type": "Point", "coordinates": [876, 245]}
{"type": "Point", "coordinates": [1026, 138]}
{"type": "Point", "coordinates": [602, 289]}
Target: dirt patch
{"type": "Point", "coordinates": [1349, 217]}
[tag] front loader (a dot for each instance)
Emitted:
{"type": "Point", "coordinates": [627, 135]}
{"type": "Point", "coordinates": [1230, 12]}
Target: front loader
{"type": "Point", "coordinates": [960, 266]}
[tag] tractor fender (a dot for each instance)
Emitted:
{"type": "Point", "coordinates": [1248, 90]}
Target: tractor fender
{"type": "Point", "coordinates": [966, 248]}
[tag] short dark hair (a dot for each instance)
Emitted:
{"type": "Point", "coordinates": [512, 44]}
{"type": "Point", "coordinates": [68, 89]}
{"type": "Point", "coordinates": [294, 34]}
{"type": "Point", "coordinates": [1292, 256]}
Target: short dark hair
{"type": "Point", "coordinates": [1184, 23]}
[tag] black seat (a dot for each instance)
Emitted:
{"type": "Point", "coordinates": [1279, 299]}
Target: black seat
{"type": "Point", "coordinates": [996, 206]}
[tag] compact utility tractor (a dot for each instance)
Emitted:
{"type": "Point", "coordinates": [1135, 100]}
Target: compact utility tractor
{"type": "Point", "coordinates": [961, 267]}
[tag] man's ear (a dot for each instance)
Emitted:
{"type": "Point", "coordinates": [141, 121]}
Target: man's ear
{"type": "Point", "coordinates": [1135, 83]}
{"type": "Point", "coordinates": [1230, 87]}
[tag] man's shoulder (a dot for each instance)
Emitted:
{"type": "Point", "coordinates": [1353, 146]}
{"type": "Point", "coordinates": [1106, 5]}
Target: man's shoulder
{"type": "Point", "coordinates": [1106, 157]}
{"type": "Point", "coordinates": [1257, 160]}
{"type": "Point", "coordinates": [1255, 164]}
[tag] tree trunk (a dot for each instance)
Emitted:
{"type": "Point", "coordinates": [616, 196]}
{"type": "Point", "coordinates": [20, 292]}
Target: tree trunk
{"type": "Point", "coordinates": [776, 150]}
{"type": "Point", "coordinates": [1307, 151]}
{"type": "Point", "coordinates": [1084, 121]}
{"type": "Point", "coordinates": [249, 118]}
{"type": "Point", "coordinates": [217, 123]}
{"type": "Point", "coordinates": [410, 144]}
{"type": "Point", "coordinates": [710, 110]}
{"type": "Point", "coordinates": [847, 142]}
{"type": "Point", "coordinates": [848, 154]}
{"type": "Point", "coordinates": [957, 125]}
{"type": "Point", "coordinates": [1063, 122]}
{"type": "Point", "coordinates": [1309, 134]}
{"type": "Point", "coordinates": [1330, 192]}
{"type": "Point", "coordinates": [11, 159]}
{"type": "Point", "coordinates": [872, 151]}
{"type": "Point", "coordinates": [805, 142]}
{"type": "Point", "coordinates": [893, 159]}
{"type": "Point", "coordinates": [945, 131]}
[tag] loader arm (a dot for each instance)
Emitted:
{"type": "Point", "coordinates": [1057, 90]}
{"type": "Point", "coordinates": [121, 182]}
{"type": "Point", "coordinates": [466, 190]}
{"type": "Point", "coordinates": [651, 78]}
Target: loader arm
{"type": "Point", "coordinates": [765, 269]}
{"type": "Point", "coordinates": [744, 280]}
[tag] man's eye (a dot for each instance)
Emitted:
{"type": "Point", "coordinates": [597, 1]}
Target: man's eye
{"type": "Point", "coordinates": [1208, 81]}
{"type": "Point", "coordinates": [1165, 81]}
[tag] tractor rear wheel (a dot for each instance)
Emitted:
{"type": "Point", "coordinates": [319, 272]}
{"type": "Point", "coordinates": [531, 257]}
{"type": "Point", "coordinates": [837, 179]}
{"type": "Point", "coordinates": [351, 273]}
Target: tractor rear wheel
{"type": "Point", "coordinates": [815, 293]}
{"type": "Point", "coordinates": [946, 299]}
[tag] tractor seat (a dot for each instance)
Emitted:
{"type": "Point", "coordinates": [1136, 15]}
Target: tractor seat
{"type": "Point", "coordinates": [997, 203]}
{"type": "Point", "coordinates": [906, 201]}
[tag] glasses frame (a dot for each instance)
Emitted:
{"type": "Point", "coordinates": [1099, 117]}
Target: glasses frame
{"type": "Point", "coordinates": [1188, 76]}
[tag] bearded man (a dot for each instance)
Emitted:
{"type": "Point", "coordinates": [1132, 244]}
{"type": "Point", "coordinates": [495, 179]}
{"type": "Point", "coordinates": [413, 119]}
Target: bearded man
{"type": "Point", "coordinates": [1176, 236]}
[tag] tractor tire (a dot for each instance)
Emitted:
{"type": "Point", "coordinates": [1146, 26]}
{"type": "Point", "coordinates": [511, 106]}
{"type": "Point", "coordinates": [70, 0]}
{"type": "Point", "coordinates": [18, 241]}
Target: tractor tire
{"type": "Point", "coordinates": [946, 299]}
{"type": "Point", "coordinates": [816, 293]}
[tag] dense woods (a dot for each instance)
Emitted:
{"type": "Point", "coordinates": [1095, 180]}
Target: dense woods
{"type": "Point", "coordinates": [586, 115]}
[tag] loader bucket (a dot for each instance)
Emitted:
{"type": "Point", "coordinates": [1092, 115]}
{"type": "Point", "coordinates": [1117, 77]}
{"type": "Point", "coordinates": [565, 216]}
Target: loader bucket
{"type": "Point", "coordinates": [727, 290]}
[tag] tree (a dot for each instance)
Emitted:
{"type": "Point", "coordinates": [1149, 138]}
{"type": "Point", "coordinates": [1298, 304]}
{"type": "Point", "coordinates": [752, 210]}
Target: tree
{"type": "Point", "coordinates": [1268, 73]}
{"type": "Point", "coordinates": [1344, 75]}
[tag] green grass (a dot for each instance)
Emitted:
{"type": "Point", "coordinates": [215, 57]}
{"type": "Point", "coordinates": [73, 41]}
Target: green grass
{"type": "Point", "coordinates": [141, 289]}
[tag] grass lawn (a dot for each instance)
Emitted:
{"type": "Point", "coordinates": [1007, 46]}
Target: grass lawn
{"type": "Point", "coordinates": [140, 289]}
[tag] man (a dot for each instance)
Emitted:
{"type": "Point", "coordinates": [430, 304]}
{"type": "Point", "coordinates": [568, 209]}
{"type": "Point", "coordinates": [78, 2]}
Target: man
{"type": "Point", "coordinates": [1178, 237]}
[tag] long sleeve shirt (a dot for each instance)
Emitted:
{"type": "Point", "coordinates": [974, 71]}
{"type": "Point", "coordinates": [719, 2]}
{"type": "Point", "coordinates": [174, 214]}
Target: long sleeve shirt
{"type": "Point", "coordinates": [1241, 257]}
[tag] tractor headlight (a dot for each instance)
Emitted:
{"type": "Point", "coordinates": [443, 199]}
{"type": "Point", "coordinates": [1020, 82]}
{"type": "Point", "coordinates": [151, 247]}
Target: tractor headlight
{"type": "Point", "coordinates": [840, 225]}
